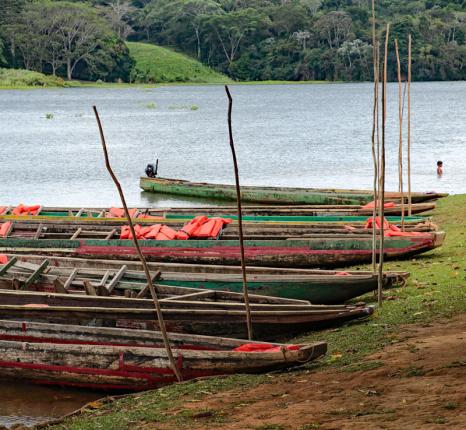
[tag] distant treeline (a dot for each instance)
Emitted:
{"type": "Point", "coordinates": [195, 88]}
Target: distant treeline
{"type": "Point", "coordinates": [246, 39]}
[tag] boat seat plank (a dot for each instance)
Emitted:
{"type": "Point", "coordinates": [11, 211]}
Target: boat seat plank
{"type": "Point", "coordinates": [8, 265]}
{"type": "Point", "coordinates": [76, 233]}
{"type": "Point", "coordinates": [111, 285]}
{"type": "Point", "coordinates": [145, 291]}
{"type": "Point", "coordinates": [70, 279]}
{"type": "Point", "coordinates": [35, 275]}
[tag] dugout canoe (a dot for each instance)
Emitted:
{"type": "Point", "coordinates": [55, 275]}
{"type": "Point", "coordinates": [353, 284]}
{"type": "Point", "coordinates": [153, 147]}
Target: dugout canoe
{"type": "Point", "coordinates": [273, 195]}
{"type": "Point", "coordinates": [255, 231]}
{"type": "Point", "coordinates": [68, 274]}
{"type": "Point", "coordinates": [116, 359]}
{"type": "Point", "coordinates": [283, 214]}
{"type": "Point", "coordinates": [317, 251]}
{"type": "Point", "coordinates": [185, 310]}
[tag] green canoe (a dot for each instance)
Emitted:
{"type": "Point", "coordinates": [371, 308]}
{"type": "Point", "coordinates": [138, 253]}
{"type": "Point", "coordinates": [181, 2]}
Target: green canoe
{"type": "Point", "coordinates": [272, 195]}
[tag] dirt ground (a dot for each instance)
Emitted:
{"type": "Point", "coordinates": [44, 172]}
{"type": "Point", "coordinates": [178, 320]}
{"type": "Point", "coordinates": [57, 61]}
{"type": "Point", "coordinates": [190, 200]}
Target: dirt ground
{"type": "Point", "coordinates": [416, 383]}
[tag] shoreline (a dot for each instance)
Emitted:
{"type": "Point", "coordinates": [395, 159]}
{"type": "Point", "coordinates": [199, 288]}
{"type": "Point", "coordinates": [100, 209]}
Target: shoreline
{"type": "Point", "coordinates": [126, 85]}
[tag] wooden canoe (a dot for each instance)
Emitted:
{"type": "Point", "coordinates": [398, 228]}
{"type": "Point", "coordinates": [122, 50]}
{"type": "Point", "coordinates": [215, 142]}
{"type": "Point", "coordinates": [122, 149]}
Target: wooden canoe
{"type": "Point", "coordinates": [315, 251]}
{"type": "Point", "coordinates": [192, 311]}
{"type": "Point", "coordinates": [272, 195]}
{"type": "Point", "coordinates": [68, 274]}
{"type": "Point", "coordinates": [255, 231]}
{"type": "Point", "coordinates": [261, 214]}
{"type": "Point", "coordinates": [130, 360]}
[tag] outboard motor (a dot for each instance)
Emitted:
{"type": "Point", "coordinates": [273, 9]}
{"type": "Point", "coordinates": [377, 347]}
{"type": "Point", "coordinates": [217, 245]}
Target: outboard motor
{"type": "Point", "coordinates": [151, 170]}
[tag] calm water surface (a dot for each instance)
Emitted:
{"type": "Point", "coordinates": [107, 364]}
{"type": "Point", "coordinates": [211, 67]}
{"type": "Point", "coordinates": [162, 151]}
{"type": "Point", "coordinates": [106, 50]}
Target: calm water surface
{"type": "Point", "coordinates": [26, 404]}
{"type": "Point", "coordinates": [291, 135]}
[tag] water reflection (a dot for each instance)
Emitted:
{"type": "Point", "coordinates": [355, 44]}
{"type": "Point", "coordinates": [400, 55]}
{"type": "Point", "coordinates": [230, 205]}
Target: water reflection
{"type": "Point", "coordinates": [28, 404]}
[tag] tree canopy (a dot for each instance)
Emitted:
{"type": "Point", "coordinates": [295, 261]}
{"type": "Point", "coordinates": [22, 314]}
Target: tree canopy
{"type": "Point", "coordinates": [246, 39]}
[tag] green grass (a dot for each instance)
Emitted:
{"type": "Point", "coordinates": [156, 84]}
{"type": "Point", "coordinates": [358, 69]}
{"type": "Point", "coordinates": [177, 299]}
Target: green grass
{"type": "Point", "coordinates": [436, 289]}
{"type": "Point", "coordinates": [15, 78]}
{"type": "Point", "coordinates": [155, 64]}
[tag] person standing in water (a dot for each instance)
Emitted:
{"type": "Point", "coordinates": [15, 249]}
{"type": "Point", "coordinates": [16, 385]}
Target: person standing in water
{"type": "Point", "coordinates": [439, 168]}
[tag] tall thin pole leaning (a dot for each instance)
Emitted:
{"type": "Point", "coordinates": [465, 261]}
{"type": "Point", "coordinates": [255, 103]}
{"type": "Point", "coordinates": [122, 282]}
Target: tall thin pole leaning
{"type": "Point", "coordinates": [375, 115]}
{"type": "Point", "coordinates": [400, 146]}
{"type": "Point", "coordinates": [240, 216]}
{"type": "Point", "coordinates": [158, 309]}
{"type": "Point", "coordinates": [382, 168]}
{"type": "Point", "coordinates": [409, 126]}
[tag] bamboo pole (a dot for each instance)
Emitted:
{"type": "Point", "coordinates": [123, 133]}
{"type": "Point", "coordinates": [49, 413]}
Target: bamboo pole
{"type": "Point", "coordinates": [382, 168]}
{"type": "Point", "coordinates": [409, 125]}
{"type": "Point", "coordinates": [158, 309]}
{"type": "Point", "coordinates": [375, 115]}
{"type": "Point", "coordinates": [400, 145]}
{"type": "Point", "coordinates": [240, 217]}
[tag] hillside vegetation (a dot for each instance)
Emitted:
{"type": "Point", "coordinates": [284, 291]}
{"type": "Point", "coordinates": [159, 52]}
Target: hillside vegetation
{"type": "Point", "coordinates": [155, 64]}
{"type": "Point", "coordinates": [25, 78]}
{"type": "Point", "coordinates": [248, 40]}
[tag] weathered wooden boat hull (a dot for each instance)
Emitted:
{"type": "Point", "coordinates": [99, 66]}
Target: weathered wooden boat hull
{"type": "Point", "coordinates": [128, 360]}
{"type": "Point", "coordinates": [177, 216]}
{"type": "Point", "coordinates": [317, 286]}
{"type": "Point", "coordinates": [310, 252]}
{"type": "Point", "coordinates": [271, 195]}
{"type": "Point", "coordinates": [270, 321]}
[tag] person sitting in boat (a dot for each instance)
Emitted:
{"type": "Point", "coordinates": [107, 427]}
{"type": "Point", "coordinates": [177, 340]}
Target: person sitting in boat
{"type": "Point", "coordinates": [151, 171]}
{"type": "Point", "coordinates": [439, 168]}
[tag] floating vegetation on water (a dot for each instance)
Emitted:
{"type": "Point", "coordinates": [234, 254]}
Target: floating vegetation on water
{"type": "Point", "coordinates": [183, 107]}
{"type": "Point", "coordinates": [49, 115]}
{"type": "Point", "coordinates": [151, 105]}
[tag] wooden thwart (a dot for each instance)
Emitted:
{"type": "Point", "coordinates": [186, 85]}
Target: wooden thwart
{"type": "Point", "coordinates": [35, 275]}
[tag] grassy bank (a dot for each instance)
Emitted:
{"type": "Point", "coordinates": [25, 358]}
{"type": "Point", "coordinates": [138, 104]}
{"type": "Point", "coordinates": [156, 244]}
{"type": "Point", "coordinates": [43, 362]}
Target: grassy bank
{"type": "Point", "coordinates": [436, 289]}
{"type": "Point", "coordinates": [155, 64]}
{"type": "Point", "coordinates": [18, 79]}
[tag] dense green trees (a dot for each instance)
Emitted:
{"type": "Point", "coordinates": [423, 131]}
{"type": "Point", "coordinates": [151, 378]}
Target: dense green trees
{"type": "Point", "coordinates": [246, 39]}
{"type": "Point", "coordinates": [65, 38]}
{"type": "Point", "coordinates": [306, 39]}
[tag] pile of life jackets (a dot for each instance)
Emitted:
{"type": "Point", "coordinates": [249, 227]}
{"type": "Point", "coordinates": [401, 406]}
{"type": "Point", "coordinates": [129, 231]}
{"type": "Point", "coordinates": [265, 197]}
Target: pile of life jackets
{"type": "Point", "coordinates": [4, 228]}
{"type": "Point", "coordinates": [200, 227]}
{"type": "Point", "coordinates": [155, 232]}
{"type": "Point", "coordinates": [389, 229]}
{"type": "Point", "coordinates": [22, 210]}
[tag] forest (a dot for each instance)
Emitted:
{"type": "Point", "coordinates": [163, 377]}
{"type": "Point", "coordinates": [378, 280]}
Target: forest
{"type": "Point", "coordinates": [248, 40]}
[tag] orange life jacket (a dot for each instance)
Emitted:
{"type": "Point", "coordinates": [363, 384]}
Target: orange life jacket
{"type": "Point", "coordinates": [4, 228]}
{"type": "Point", "coordinates": [3, 259]}
{"type": "Point", "coordinates": [370, 205]}
{"type": "Point", "coordinates": [120, 213]}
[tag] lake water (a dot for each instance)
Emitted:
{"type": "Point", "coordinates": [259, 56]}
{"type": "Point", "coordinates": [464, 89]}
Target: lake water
{"type": "Point", "coordinates": [290, 135]}
{"type": "Point", "coordinates": [22, 403]}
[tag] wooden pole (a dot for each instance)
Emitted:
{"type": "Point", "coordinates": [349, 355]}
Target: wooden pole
{"type": "Point", "coordinates": [158, 309]}
{"type": "Point", "coordinates": [375, 115]}
{"type": "Point", "coordinates": [409, 126]}
{"type": "Point", "coordinates": [240, 218]}
{"type": "Point", "coordinates": [382, 168]}
{"type": "Point", "coordinates": [400, 145]}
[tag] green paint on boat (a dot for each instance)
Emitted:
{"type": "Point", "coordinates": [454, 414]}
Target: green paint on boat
{"type": "Point", "coordinates": [304, 218]}
{"type": "Point", "coordinates": [318, 292]}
